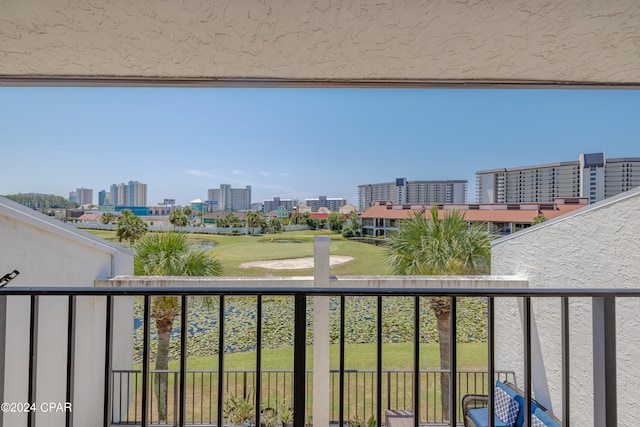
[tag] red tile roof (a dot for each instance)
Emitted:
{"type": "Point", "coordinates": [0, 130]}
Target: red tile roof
{"type": "Point", "coordinates": [90, 217]}
{"type": "Point", "coordinates": [481, 215]}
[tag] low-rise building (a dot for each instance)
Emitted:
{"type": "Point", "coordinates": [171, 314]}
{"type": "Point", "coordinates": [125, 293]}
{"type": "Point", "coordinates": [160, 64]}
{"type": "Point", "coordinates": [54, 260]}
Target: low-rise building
{"type": "Point", "coordinates": [501, 218]}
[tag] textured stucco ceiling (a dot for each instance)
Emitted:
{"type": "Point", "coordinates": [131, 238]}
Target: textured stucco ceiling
{"type": "Point", "coordinates": [321, 41]}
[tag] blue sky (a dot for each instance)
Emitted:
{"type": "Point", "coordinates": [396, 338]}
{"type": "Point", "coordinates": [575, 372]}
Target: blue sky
{"type": "Point", "coordinates": [296, 143]}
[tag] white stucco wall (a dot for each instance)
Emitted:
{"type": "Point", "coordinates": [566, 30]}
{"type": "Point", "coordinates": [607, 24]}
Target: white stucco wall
{"type": "Point", "coordinates": [441, 41]}
{"type": "Point", "coordinates": [47, 252]}
{"type": "Point", "coordinates": [595, 247]}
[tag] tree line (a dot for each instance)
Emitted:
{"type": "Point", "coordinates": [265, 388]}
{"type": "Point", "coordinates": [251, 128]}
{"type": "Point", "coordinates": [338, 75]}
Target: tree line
{"type": "Point", "coordinates": [42, 201]}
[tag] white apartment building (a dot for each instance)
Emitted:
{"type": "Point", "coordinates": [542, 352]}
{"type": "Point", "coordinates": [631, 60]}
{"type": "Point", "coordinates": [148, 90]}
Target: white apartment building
{"type": "Point", "coordinates": [84, 196]}
{"type": "Point", "coordinates": [273, 205]}
{"type": "Point", "coordinates": [225, 198]}
{"type": "Point", "coordinates": [592, 176]}
{"type": "Point", "coordinates": [402, 191]}
{"type": "Point", "coordinates": [132, 194]}
{"type": "Point", "coordinates": [332, 203]}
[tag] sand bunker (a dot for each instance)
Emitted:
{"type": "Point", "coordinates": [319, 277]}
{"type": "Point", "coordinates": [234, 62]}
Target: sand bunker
{"type": "Point", "coordinates": [295, 263]}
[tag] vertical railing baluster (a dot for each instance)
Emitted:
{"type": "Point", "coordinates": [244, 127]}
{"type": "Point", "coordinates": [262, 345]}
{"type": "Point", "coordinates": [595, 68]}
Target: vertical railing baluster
{"type": "Point", "coordinates": [33, 357]}
{"type": "Point", "coordinates": [527, 361]}
{"type": "Point", "coordinates": [108, 362]}
{"type": "Point", "coordinates": [566, 379]}
{"type": "Point", "coordinates": [121, 401]}
{"type": "Point", "coordinates": [388, 389]}
{"type": "Point", "coordinates": [299, 360]}
{"type": "Point", "coordinates": [349, 394]}
{"type": "Point", "coordinates": [244, 384]}
{"type": "Point", "coordinates": [379, 366]}
{"type": "Point", "coordinates": [71, 353]}
{"type": "Point", "coordinates": [220, 402]}
{"type": "Point", "coordinates": [416, 361]}
{"type": "Point", "coordinates": [453, 367]}
{"type": "Point", "coordinates": [258, 382]}
{"type": "Point", "coordinates": [605, 398]}
{"type": "Point", "coordinates": [145, 361]}
{"type": "Point", "coordinates": [135, 396]}
{"type": "Point", "coordinates": [491, 356]}
{"type": "Point", "coordinates": [184, 329]}
{"type": "Point", "coordinates": [341, 380]}
{"type": "Point", "coordinates": [357, 394]}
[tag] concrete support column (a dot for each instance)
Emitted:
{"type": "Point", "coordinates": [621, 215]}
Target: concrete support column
{"type": "Point", "coordinates": [321, 384]}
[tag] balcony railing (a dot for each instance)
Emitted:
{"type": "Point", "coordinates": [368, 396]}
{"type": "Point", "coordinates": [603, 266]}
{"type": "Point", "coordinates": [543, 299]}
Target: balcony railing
{"type": "Point", "coordinates": [397, 388]}
{"type": "Point", "coordinates": [605, 376]}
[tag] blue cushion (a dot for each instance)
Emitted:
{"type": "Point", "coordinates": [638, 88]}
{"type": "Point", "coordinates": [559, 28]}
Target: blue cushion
{"type": "Point", "coordinates": [520, 420]}
{"type": "Point", "coordinates": [506, 407]}
{"type": "Point", "coordinates": [518, 398]}
{"type": "Point", "coordinates": [511, 392]}
{"type": "Point", "coordinates": [480, 417]}
{"type": "Point", "coordinates": [545, 418]}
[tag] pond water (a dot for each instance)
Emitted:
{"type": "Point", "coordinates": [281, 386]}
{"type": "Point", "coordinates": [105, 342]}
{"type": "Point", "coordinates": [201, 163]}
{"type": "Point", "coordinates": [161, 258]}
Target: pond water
{"type": "Point", "coordinates": [205, 245]}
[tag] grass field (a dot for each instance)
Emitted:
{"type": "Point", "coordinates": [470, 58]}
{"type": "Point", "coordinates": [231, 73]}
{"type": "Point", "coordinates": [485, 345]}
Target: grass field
{"type": "Point", "coordinates": [357, 356]}
{"type": "Point", "coordinates": [360, 395]}
{"type": "Point", "coordinates": [234, 250]}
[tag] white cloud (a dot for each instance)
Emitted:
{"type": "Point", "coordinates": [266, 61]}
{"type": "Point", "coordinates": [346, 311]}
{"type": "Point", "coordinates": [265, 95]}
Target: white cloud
{"type": "Point", "coordinates": [199, 173]}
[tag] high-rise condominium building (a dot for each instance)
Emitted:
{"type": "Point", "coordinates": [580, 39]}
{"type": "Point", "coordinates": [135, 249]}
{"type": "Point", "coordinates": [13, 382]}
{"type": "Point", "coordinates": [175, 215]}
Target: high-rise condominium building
{"type": "Point", "coordinates": [592, 175]}
{"type": "Point", "coordinates": [132, 194]}
{"type": "Point", "coordinates": [332, 203]}
{"type": "Point", "coordinates": [402, 192]}
{"type": "Point", "coordinates": [273, 205]}
{"type": "Point", "coordinates": [226, 199]}
{"type": "Point", "coordinates": [84, 196]}
{"type": "Point", "coordinates": [104, 198]}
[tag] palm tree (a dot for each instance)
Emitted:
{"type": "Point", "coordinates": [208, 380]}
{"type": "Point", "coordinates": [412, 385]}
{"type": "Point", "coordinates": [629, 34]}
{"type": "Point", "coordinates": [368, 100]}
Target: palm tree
{"type": "Point", "coordinates": [234, 221]}
{"type": "Point", "coordinates": [434, 246]}
{"type": "Point", "coordinates": [169, 254]}
{"type": "Point", "coordinates": [336, 221]}
{"type": "Point", "coordinates": [178, 218]}
{"type": "Point", "coordinates": [275, 224]}
{"type": "Point", "coordinates": [355, 223]}
{"type": "Point", "coordinates": [108, 218]}
{"type": "Point", "coordinates": [539, 219]}
{"type": "Point", "coordinates": [253, 221]}
{"type": "Point", "coordinates": [130, 227]}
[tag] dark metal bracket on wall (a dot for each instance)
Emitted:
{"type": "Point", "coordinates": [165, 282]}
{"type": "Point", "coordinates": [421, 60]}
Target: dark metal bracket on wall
{"type": "Point", "coordinates": [8, 277]}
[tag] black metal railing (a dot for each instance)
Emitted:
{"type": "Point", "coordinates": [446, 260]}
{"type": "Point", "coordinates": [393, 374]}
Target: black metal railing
{"type": "Point", "coordinates": [201, 386]}
{"type": "Point", "coordinates": [604, 302]}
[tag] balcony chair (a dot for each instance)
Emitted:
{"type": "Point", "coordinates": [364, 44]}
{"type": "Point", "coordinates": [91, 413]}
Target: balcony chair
{"type": "Point", "coordinates": [509, 409]}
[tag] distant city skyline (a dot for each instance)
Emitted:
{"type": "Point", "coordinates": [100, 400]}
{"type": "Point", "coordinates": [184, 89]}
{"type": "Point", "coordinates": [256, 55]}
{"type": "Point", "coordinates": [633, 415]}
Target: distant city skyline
{"type": "Point", "coordinates": [296, 143]}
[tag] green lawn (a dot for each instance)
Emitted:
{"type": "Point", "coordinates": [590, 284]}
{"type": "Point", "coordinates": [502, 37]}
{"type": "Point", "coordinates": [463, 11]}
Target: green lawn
{"type": "Point", "coordinates": [357, 356]}
{"type": "Point", "coordinates": [360, 396]}
{"type": "Point", "coordinates": [235, 250]}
